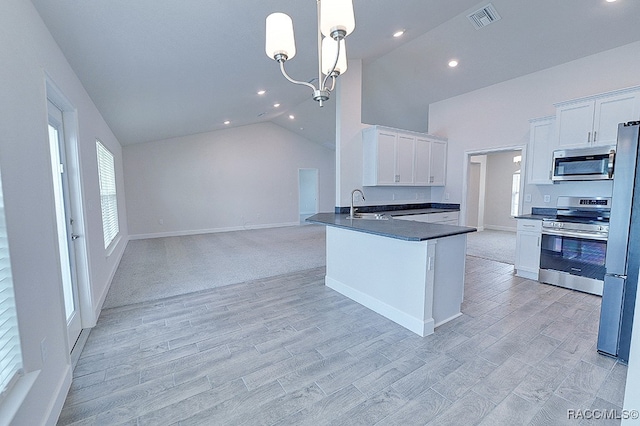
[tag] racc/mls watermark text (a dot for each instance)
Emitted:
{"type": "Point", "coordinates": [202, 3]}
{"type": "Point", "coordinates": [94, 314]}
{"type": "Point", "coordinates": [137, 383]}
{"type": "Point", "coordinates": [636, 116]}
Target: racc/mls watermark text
{"type": "Point", "coordinates": [602, 414]}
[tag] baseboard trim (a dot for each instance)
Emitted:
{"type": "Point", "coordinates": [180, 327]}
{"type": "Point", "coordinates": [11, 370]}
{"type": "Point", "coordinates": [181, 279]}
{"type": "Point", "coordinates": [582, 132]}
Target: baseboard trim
{"type": "Point", "coordinates": [60, 397]}
{"type": "Point", "coordinates": [211, 230]}
{"type": "Point", "coordinates": [421, 328]}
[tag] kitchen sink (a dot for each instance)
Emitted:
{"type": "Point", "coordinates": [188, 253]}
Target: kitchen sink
{"type": "Point", "coordinates": [370, 216]}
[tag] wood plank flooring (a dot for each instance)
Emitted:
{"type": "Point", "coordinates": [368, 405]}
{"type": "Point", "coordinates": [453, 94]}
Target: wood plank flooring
{"type": "Point", "coordinates": [289, 351]}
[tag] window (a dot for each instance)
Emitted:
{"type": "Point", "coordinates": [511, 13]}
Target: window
{"type": "Point", "coordinates": [108, 198]}
{"type": "Point", "coordinates": [10, 352]}
{"type": "Point", "coordinates": [515, 193]}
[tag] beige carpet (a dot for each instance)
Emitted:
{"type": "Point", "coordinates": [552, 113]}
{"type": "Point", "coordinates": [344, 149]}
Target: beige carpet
{"type": "Point", "coordinates": [156, 268]}
{"type": "Point", "coordinates": [493, 245]}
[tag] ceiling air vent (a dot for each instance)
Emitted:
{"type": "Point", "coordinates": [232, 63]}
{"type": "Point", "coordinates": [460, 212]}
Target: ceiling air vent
{"type": "Point", "coordinates": [483, 17]}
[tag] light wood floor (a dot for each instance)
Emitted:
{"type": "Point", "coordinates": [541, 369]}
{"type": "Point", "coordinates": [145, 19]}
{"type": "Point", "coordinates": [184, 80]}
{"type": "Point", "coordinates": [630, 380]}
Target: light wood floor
{"type": "Point", "coordinates": [290, 351]}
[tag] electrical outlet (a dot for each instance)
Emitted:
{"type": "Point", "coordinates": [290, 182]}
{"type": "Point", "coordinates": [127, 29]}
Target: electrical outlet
{"type": "Point", "coordinates": [527, 198]}
{"type": "Point", "coordinates": [547, 198]}
{"type": "Point", "coordinates": [446, 196]}
{"type": "Point", "coordinates": [161, 221]}
{"type": "Point", "coordinates": [43, 350]}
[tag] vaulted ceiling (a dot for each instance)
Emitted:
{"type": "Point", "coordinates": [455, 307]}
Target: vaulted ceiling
{"type": "Point", "coordinates": [158, 69]}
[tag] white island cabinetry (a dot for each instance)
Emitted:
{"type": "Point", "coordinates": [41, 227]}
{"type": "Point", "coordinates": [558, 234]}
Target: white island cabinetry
{"type": "Point", "coordinates": [528, 240]}
{"type": "Point", "coordinates": [411, 273]}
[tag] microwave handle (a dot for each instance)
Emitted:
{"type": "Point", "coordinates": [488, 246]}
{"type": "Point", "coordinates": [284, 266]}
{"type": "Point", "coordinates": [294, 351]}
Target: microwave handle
{"type": "Point", "coordinates": [612, 159]}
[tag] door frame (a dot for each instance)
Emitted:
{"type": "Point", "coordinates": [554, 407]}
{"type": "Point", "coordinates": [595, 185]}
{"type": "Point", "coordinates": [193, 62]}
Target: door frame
{"type": "Point", "coordinates": [489, 151]}
{"type": "Point", "coordinates": [74, 167]}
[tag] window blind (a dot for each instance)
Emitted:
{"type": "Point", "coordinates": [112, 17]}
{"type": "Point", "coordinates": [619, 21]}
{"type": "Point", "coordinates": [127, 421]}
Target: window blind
{"type": "Point", "coordinates": [10, 352]}
{"type": "Point", "coordinates": [108, 197]}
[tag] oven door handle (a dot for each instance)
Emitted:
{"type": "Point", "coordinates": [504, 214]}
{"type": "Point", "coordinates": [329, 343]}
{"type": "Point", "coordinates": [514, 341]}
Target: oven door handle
{"type": "Point", "coordinates": [575, 234]}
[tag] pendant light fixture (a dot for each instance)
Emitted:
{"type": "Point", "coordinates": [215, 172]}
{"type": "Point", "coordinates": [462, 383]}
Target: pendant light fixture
{"type": "Point", "coordinates": [335, 22]}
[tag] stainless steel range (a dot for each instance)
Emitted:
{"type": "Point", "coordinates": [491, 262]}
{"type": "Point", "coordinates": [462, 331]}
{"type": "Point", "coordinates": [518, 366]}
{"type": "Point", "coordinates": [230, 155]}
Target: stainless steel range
{"type": "Point", "coordinates": [574, 244]}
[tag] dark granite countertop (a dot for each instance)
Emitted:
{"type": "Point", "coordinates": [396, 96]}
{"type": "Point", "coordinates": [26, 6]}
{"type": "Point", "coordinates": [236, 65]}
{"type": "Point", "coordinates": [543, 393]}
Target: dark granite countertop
{"type": "Point", "coordinates": [539, 213]}
{"type": "Point", "coordinates": [532, 216]}
{"type": "Point", "coordinates": [404, 209]}
{"type": "Point", "coordinates": [407, 230]}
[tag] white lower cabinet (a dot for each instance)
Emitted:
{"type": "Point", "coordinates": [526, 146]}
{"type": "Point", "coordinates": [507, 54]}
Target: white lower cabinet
{"type": "Point", "coordinates": [528, 241]}
{"type": "Point", "coordinates": [445, 218]}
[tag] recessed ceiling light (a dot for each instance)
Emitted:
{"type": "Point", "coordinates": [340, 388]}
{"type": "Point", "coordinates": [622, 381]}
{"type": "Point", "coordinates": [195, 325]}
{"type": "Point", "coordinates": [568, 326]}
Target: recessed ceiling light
{"type": "Point", "coordinates": [227, 122]}
{"type": "Point", "coordinates": [276, 105]}
{"type": "Point", "coordinates": [610, 1]}
{"type": "Point", "coordinates": [261, 92]}
{"type": "Point", "coordinates": [453, 63]}
{"type": "Point", "coordinates": [292, 116]}
{"type": "Point", "coordinates": [398, 33]}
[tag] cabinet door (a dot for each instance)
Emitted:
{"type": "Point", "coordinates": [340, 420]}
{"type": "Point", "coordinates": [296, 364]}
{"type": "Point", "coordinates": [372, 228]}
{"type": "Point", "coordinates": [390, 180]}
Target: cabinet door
{"type": "Point", "coordinates": [574, 124]}
{"type": "Point", "coordinates": [414, 217]}
{"type": "Point", "coordinates": [423, 162]}
{"type": "Point", "coordinates": [386, 158]}
{"type": "Point", "coordinates": [609, 112]}
{"type": "Point", "coordinates": [405, 151]}
{"type": "Point", "coordinates": [540, 151]}
{"type": "Point", "coordinates": [438, 163]}
{"type": "Point", "coordinates": [527, 252]}
{"type": "Point", "coordinates": [527, 262]}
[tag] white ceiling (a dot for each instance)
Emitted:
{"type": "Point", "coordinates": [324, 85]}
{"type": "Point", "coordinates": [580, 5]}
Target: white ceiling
{"type": "Point", "coordinates": [162, 68]}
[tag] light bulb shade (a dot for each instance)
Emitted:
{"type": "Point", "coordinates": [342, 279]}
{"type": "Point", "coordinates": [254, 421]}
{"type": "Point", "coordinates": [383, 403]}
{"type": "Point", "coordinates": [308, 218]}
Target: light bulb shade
{"type": "Point", "coordinates": [279, 36]}
{"type": "Point", "coordinates": [329, 47]}
{"type": "Point", "coordinates": [336, 15]}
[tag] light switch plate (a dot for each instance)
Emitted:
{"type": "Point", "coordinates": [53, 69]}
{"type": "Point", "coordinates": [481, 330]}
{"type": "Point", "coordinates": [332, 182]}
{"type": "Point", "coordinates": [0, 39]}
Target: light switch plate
{"type": "Point", "coordinates": [527, 198]}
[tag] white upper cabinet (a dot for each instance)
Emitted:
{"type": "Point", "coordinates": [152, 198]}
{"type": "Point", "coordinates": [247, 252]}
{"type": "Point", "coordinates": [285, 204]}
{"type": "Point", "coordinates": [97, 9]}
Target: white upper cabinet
{"type": "Point", "coordinates": [540, 150]}
{"type": "Point", "coordinates": [394, 157]}
{"type": "Point", "coordinates": [423, 156]}
{"type": "Point", "coordinates": [438, 164]}
{"type": "Point", "coordinates": [405, 155]}
{"type": "Point", "coordinates": [594, 121]}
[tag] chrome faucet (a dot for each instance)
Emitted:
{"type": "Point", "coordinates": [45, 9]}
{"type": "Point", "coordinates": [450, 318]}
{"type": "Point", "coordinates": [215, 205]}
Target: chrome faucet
{"type": "Point", "coordinates": [352, 211]}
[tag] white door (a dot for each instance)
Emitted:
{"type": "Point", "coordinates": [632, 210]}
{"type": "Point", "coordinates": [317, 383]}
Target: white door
{"type": "Point", "coordinates": [307, 193]}
{"type": "Point", "coordinates": [64, 221]}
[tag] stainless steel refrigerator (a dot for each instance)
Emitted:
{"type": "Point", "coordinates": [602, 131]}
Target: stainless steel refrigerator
{"type": "Point", "coordinates": [622, 261]}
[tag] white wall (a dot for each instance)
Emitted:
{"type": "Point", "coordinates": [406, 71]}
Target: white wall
{"type": "Point", "coordinates": [28, 53]}
{"type": "Point", "coordinates": [497, 116]}
{"type": "Point", "coordinates": [349, 149]}
{"type": "Point", "coordinates": [238, 178]}
{"type": "Point", "coordinates": [500, 170]}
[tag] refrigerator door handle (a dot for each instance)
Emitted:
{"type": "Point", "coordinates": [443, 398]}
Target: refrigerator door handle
{"type": "Point", "coordinates": [622, 277]}
{"type": "Point", "coordinates": [612, 159]}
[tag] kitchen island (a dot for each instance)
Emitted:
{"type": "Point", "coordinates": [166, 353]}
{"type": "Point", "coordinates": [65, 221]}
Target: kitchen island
{"type": "Point", "coordinates": [410, 272]}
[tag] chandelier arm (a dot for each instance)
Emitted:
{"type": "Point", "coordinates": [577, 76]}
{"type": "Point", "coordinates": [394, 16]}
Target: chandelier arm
{"type": "Point", "coordinates": [303, 83]}
{"type": "Point", "coordinates": [333, 82]}
{"type": "Point", "coordinates": [333, 68]}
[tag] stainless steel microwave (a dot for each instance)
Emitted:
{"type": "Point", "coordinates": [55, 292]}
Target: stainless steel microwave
{"type": "Point", "coordinates": [584, 163]}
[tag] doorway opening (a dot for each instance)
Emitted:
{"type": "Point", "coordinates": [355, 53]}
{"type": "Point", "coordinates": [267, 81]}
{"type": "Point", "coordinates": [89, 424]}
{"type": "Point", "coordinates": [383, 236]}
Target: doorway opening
{"type": "Point", "coordinates": [307, 193]}
{"type": "Point", "coordinates": [492, 200]}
